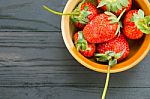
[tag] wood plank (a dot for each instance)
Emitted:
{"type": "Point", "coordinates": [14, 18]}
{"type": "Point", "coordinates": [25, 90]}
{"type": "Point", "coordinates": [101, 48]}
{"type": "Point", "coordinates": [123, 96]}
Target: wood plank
{"type": "Point", "coordinates": [38, 59]}
{"type": "Point", "coordinates": [28, 15]}
{"type": "Point", "coordinates": [41, 40]}
{"type": "Point", "coordinates": [72, 93]}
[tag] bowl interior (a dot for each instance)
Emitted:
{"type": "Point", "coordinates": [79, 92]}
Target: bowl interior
{"type": "Point", "coordinates": [138, 48]}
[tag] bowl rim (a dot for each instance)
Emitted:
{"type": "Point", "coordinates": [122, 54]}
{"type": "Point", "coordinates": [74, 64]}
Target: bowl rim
{"type": "Point", "coordinates": [134, 60]}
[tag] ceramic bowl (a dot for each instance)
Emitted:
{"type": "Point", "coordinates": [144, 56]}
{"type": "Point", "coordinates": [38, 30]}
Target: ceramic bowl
{"type": "Point", "coordinates": [138, 49]}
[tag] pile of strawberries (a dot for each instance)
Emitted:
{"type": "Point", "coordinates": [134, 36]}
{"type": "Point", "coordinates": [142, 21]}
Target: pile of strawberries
{"type": "Point", "coordinates": [103, 27]}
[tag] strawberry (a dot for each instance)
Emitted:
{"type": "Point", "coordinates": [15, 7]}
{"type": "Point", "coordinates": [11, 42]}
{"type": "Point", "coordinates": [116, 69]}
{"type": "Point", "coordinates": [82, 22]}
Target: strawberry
{"type": "Point", "coordinates": [81, 15]}
{"type": "Point", "coordinates": [102, 28]}
{"type": "Point", "coordinates": [87, 11]}
{"type": "Point", "coordinates": [114, 50]}
{"type": "Point", "coordinates": [86, 49]}
{"type": "Point", "coordinates": [89, 52]}
{"type": "Point", "coordinates": [135, 24]}
{"type": "Point", "coordinates": [115, 6]}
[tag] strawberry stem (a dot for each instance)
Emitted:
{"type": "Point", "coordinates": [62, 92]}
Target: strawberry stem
{"type": "Point", "coordinates": [119, 23]}
{"type": "Point", "coordinates": [121, 15]}
{"type": "Point", "coordinates": [118, 29]}
{"type": "Point", "coordinates": [58, 13]}
{"type": "Point", "coordinates": [106, 83]}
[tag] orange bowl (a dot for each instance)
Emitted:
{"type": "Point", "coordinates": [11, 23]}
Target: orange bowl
{"type": "Point", "coordinates": [138, 49]}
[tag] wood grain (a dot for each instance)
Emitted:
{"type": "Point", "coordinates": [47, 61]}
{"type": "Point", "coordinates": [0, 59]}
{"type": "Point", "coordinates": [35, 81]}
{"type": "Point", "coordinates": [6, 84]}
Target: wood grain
{"type": "Point", "coordinates": [35, 64]}
{"type": "Point", "coordinates": [38, 59]}
{"type": "Point", "coordinates": [28, 15]}
{"type": "Point", "coordinates": [72, 93]}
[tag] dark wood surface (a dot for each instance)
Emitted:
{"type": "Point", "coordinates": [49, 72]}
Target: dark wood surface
{"type": "Point", "coordinates": [35, 64]}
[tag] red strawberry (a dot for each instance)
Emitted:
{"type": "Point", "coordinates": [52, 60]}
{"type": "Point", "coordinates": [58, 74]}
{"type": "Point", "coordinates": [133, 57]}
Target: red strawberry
{"type": "Point", "coordinates": [86, 49]}
{"type": "Point", "coordinates": [117, 48]}
{"type": "Point", "coordinates": [81, 15]}
{"type": "Point", "coordinates": [135, 24]}
{"type": "Point", "coordinates": [87, 11]}
{"type": "Point", "coordinates": [91, 8]}
{"type": "Point", "coordinates": [89, 52]}
{"type": "Point", "coordinates": [115, 6]}
{"type": "Point", "coordinates": [102, 28]}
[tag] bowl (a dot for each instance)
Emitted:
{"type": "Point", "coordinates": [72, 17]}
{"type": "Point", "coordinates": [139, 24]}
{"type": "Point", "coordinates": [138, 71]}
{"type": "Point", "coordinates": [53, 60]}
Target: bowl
{"type": "Point", "coordinates": [137, 52]}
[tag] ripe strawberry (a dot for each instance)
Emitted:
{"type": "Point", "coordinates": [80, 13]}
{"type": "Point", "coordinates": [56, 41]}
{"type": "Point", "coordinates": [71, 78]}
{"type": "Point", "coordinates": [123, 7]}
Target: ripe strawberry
{"type": "Point", "coordinates": [86, 49]}
{"type": "Point", "coordinates": [115, 6]}
{"type": "Point", "coordinates": [87, 11]}
{"type": "Point", "coordinates": [81, 15]}
{"type": "Point", "coordinates": [135, 24]}
{"type": "Point", "coordinates": [89, 52]}
{"type": "Point", "coordinates": [115, 50]}
{"type": "Point", "coordinates": [112, 51]}
{"type": "Point", "coordinates": [102, 28]}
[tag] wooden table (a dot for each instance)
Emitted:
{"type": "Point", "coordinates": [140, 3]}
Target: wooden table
{"type": "Point", "coordinates": [35, 64]}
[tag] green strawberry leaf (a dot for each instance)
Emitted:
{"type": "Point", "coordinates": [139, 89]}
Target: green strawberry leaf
{"type": "Point", "coordinates": [114, 5]}
{"type": "Point", "coordinates": [81, 42]}
{"type": "Point", "coordinates": [118, 55]}
{"type": "Point", "coordinates": [109, 56]}
{"type": "Point", "coordinates": [102, 3]}
{"type": "Point", "coordinates": [78, 46]}
{"type": "Point", "coordinates": [112, 17]}
{"type": "Point", "coordinates": [138, 16]}
{"type": "Point", "coordinates": [83, 46]}
{"type": "Point", "coordinates": [112, 62]}
{"type": "Point", "coordinates": [80, 35]}
{"type": "Point", "coordinates": [119, 6]}
{"type": "Point", "coordinates": [144, 24]}
{"type": "Point", "coordinates": [74, 18]}
{"type": "Point", "coordinates": [110, 53]}
{"type": "Point", "coordinates": [108, 7]}
{"type": "Point", "coordinates": [102, 59]}
{"type": "Point", "coordinates": [99, 55]}
{"type": "Point", "coordinates": [141, 13]}
{"type": "Point", "coordinates": [110, 14]}
{"type": "Point", "coordinates": [82, 17]}
{"type": "Point", "coordinates": [124, 3]}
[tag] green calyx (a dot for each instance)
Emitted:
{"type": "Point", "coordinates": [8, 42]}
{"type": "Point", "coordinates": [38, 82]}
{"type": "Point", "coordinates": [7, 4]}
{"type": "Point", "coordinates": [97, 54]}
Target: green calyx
{"type": "Point", "coordinates": [109, 56]}
{"type": "Point", "coordinates": [81, 43]}
{"type": "Point", "coordinates": [142, 23]}
{"type": "Point", "coordinates": [113, 5]}
{"type": "Point", "coordinates": [114, 19]}
{"type": "Point", "coordinates": [82, 17]}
